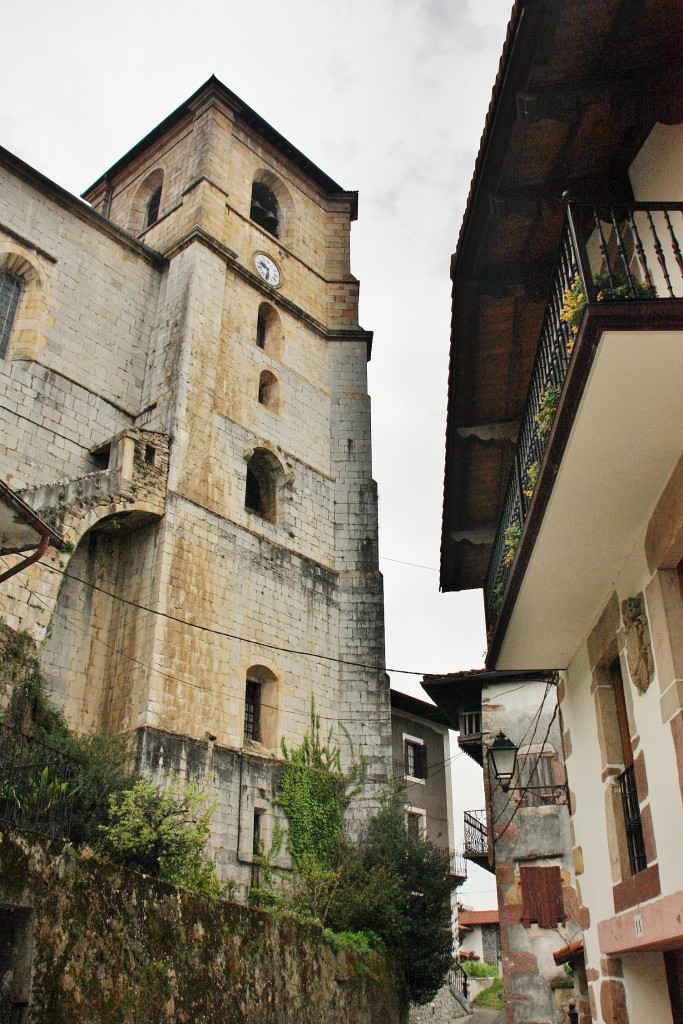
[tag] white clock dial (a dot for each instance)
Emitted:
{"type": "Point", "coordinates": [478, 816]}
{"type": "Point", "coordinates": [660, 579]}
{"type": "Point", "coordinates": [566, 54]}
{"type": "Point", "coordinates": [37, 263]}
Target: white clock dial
{"type": "Point", "coordinates": [267, 269]}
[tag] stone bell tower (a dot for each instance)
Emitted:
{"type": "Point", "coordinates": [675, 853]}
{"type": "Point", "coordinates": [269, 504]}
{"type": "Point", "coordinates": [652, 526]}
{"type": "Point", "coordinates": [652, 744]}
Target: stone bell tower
{"type": "Point", "coordinates": [208, 618]}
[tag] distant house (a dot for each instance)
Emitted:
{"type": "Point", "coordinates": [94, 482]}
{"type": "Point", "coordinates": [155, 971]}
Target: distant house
{"type": "Point", "coordinates": [479, 935]}
{"type": "Point", "coordinates": [421, 755]}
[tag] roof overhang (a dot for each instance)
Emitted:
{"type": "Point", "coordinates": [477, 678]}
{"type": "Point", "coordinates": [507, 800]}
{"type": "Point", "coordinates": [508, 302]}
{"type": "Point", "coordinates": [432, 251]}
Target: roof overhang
{"type": "Point", "coordinates": [580, 86]}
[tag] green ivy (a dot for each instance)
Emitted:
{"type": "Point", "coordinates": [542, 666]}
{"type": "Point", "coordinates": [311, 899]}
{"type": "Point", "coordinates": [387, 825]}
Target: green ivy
{"type": "Point", "coordinates": [314, 793]}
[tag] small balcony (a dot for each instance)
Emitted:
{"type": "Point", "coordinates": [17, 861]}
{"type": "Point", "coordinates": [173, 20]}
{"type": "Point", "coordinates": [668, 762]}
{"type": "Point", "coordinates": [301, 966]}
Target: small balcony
{"type": "Point", "coordinates": [476, 838]}
{"type": "Point", "coordinates": [457, 867]}
{"type": "Point", "coordinates": [607, 359]}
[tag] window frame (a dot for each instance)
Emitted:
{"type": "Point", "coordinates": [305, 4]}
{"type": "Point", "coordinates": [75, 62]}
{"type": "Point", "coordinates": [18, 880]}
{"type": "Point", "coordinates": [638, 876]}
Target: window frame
{"type": "Point", "coordinates": [8, 319]}
{"type": "Point", "coordinates": [419, 760]}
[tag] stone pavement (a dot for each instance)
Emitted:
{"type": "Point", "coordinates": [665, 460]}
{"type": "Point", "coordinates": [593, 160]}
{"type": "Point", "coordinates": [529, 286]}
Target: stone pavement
{"type": "Point", "coordinates": [486, 1016]}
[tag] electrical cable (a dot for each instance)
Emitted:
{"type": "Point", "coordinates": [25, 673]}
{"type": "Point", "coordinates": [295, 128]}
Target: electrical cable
{"type": "Point", "coordinates": [524, 790]}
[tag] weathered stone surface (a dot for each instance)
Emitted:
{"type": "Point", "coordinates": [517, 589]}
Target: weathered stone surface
{"type": "Point", "coordinates": [111, 945]}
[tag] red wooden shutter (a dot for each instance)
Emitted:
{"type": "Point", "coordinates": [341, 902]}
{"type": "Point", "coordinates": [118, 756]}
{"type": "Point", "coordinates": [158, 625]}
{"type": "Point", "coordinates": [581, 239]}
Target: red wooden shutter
{"type": "Point", "coordinates": [542, 896]}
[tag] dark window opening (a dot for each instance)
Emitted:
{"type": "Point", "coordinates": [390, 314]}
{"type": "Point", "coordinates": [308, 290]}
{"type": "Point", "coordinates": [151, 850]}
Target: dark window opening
{"type": "Point", "coordinates": [264, 207]}
{"type": "Point", "coordinates": [153, 204]}
{"type": "Point", "coordinates": [16, 941]}
{"type": "Point", "coordinates": [252, 498]}
{"type": "Point", "coordinates": [261, 330]}
{"type": "Point", "coordinates": [252, 712]}
{"type": "Point", "coordinates": [415, 759]}
{"type": "Point", "coordinates": [150, 454]}
{"type": "Point", "coordinates": [627, 779]}
{"type": "Point", "coordinates": [415, 823]}
{"type": "Point", "coordinates": [10, 292]}
{"type": "Point", "coordinates": [261, 493]}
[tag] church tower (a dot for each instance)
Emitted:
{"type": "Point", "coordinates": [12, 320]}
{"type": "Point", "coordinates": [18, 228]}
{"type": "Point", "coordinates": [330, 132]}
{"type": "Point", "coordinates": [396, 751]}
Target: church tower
{"type": "Point", "coordinates": [235, 585]}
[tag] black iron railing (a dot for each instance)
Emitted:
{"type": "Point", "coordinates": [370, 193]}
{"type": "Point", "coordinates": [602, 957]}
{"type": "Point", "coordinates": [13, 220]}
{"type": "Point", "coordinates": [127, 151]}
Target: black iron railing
{"type": "Point", "coordinates": [457, 865]}
{"type": "Point", "coordinates": [36, 785]}
{"type": "Point", "coordinates": [457, 979]}
{"type": "Point", "coordinates": [632, 822]}
{"type": "Point", "coordinates": [476, 837]}
{"type": "Point", "coordinates": [606, 253]}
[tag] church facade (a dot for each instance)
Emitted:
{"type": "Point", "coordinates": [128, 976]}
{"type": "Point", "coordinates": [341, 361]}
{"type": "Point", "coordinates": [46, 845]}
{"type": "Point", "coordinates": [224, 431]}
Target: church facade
{"type": "Point", "coordinates": [183, 396]}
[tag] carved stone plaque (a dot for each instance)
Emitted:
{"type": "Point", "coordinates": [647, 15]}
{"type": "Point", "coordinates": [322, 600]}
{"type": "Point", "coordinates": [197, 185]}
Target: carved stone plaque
{"type": "Point", "coordinates": [638, 645]}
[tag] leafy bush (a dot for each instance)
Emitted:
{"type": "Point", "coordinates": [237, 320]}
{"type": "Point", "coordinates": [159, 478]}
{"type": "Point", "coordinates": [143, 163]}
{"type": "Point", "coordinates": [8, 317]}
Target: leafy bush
{"type": "Point", "coordinates": [477, 969]}
{"type": "Point", "coordinates": [360, 942]}
{"type": "Point", "coordinates": [163, 834]}
{"type": "Point", "coordinates": [492, 996]}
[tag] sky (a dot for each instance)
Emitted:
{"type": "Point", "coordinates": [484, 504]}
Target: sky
{"type": "Point", "coordinates": [387, 97]}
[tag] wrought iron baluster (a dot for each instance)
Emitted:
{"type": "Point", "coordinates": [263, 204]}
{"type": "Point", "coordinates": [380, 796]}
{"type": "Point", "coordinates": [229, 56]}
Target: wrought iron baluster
{"type": "Point", "coordinates": [660, 254]}
{"type": "Point", "coordinates": [645, 270]}
{"type": "Point", "coordinates": [622, 253]}
{"type": "Point", "coordinates": [604, 250]}
{"type": "Point", "coordinates": [674, 242]}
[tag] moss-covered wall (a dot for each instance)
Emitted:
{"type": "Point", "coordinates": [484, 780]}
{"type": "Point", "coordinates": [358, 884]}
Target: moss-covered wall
{"type": "Point", "coordinates": [114, 947]}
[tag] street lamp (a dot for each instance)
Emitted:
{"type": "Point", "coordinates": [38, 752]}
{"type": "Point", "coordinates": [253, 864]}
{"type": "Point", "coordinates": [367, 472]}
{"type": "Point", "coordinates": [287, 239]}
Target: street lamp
{"type": "Point", "coordinates": [503, 755]}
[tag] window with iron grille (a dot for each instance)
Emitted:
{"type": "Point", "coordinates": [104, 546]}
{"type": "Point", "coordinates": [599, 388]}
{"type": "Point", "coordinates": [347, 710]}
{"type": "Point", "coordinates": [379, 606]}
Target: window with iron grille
{"type": "Point", "coordinates": [415, 759]}
{"type": "Point", "coordinates": [10, 292]}
{"type": "Point", "coordinates": [252, 711]}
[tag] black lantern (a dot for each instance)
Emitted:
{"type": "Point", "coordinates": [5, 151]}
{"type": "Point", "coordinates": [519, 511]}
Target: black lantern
{"type": "Point", "coordinates": [503, 755]}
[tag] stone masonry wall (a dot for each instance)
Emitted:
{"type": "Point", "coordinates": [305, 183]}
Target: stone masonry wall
{"type": "Point", "coordinates": [108, 945]}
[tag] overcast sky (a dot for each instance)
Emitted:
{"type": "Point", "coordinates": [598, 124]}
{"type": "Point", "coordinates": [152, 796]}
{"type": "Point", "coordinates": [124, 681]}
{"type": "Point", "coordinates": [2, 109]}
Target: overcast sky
{"type": "Point", "coordinates": [387, 97]}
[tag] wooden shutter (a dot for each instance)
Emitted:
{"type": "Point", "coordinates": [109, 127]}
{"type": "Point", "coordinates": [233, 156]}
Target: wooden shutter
{"type": "Point", "coordinates": [421, 761]}
{"type": "Point", "coordinates": [542, 896]}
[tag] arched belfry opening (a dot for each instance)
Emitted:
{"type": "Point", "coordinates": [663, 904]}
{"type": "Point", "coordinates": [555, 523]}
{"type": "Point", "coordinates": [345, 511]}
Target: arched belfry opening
{"type": "Point", "coordinates": [263, 481]}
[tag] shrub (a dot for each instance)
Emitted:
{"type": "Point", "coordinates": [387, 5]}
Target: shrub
{"type": "Point", "coordinates": [477, 969]}
{"type": "Point", "coordinates": [162, 833]}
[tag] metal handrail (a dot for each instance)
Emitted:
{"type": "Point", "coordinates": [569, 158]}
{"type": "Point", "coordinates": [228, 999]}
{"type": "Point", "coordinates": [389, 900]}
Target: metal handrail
{"type": "Point", "coordinates": [37, 786]}
{"type": "Point", "coordinates": [605, 252]}
{"type": "Point", "coordinates": [476, 835]}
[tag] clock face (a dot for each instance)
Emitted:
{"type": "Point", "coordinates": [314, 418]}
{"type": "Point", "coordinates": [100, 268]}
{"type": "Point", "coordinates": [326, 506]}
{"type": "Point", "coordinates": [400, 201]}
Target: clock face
{"type": "Point", "coordinates": [268, 269]}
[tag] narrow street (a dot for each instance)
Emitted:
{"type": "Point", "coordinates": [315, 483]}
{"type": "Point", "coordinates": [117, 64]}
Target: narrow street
{"type": "Point", "coordinates": [486, 1016]}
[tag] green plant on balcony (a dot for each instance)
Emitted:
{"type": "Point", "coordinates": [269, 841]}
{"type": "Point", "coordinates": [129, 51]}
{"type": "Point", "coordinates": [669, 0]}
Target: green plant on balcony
{"type": "Point", "coordinates": [574, 298]}
{"type": "Point", "coordinates": [546, 412]}
{"type": "Point", "coordinates": [530, 478]}
{"type": "Point", "coordinates": [511, 541]}
{"type": "Point", "coordinates": [498, 591]}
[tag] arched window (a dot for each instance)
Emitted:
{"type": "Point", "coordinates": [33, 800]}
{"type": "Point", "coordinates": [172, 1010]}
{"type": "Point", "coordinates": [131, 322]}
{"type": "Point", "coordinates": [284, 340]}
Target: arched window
{"type": "Point", "coordinates": [153, 204]}
{"type": "Point", "coordinates": [265, 210]}
{"type": "Point", "coordinates": [10, 293]}
{"type": "Point", "coordinates": [147, 202]}
{"type": "Point", "coordinates": [262, 485]}
{"type": "Point", "coordinates": [260, 706]}
{"type": "Point", "coordinates": [269, 330]}
{"type": "Point", "coordinates": [269, 390]}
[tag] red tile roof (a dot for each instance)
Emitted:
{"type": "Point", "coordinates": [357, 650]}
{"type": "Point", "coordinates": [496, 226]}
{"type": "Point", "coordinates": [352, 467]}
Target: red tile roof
{"type": "Point", "coordinates": [474, 917]}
